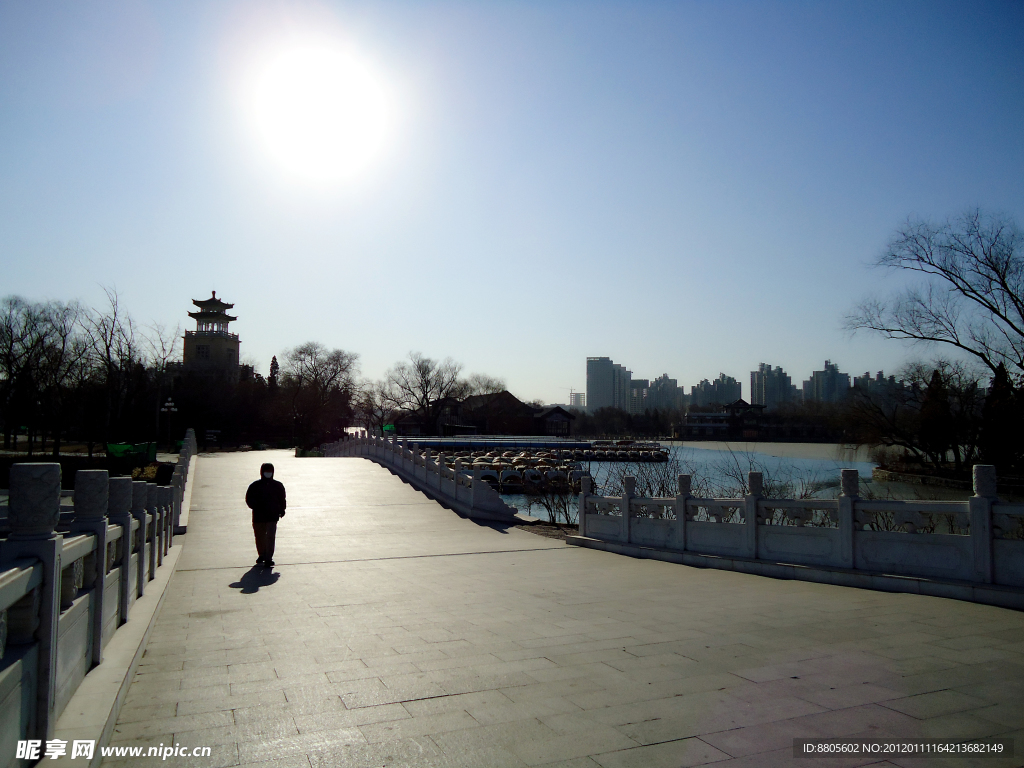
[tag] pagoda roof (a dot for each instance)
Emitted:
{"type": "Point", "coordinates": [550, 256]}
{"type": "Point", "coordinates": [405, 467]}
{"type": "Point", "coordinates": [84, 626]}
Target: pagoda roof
{"type": "Point", "coordinates": [212, 309]}
{"type": "Point", "coordinates": [212, 304]}
{"type": "Point", "coordinates": [211, 315]}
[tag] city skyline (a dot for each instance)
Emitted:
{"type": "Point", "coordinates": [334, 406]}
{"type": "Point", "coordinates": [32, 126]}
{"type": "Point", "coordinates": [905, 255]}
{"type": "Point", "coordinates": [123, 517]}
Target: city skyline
{"type": "Point", "coordinates": [611, 384]}
{"type": "Point", "coordinates": [687, 186]}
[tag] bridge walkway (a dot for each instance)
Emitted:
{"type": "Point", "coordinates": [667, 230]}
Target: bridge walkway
{"type": "Point", "coordinates": [394, 633]}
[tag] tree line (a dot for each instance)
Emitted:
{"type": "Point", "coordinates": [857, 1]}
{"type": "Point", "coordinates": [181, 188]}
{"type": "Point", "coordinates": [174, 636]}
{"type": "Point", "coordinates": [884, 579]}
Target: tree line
{"type": "Point", "coordinates": [70, 373]}
{"type": "Point", "coordinates": [93, 376]}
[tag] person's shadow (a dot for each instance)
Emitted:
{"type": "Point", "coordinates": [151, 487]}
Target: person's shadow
{"type": "Point", "coordinates": [256, 577]}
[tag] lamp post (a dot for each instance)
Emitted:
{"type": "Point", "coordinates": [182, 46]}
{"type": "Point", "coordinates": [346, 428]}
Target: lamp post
{"type": "Point", "coordinates": [169, 409]}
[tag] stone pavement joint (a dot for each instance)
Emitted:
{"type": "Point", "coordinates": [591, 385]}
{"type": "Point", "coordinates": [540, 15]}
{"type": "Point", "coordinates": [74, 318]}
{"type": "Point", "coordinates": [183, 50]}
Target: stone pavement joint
{"type": "Point", "coordinates": [399, 557]}
{"type": "Point", "coordinates": [375, 643]}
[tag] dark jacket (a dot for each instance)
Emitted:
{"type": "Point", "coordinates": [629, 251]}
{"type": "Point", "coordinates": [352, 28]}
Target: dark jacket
{"type": "Point", "coordinates": [266, 500]}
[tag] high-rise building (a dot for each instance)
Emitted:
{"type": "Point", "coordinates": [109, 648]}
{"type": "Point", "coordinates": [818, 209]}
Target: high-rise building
{"type": "Point", "coordinates": [771, 387]}
{"type": "Point", "coordinates": [607, 384]}
{"type": "Point", "coordinates": [578, 400]}
{"type": "Point", "coordinates": [211, 350]}
{"type": "Point", "coordinates": [664, 394]}
{"type": "Point", "coordinates": [721, 391]}
{"type": "Point", "coordinates": [827, 386]}
{"type": "Point", "coordinates": [638, 389]}
{"type": "Point", "coordinates": [880, 388]}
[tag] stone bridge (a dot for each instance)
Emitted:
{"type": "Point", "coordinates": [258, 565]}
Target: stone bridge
{"type": "Point", "coordinates": [393, 632]}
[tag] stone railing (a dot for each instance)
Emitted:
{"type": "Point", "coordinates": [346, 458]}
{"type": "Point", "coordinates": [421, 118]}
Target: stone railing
{"type": "Point", "coordinates": [68, 581]}
{"type": "Point", "coordinates": [457, 488]}
{"type": "Point", "coordinates": [972, 550]}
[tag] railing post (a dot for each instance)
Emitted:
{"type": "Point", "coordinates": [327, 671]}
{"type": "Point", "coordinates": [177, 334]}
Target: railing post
{"type": "Point", "coordinates": [119, 511]}
{"type": "Point", "coordinates": [177, 487]}
{"type": "Point", "coordinates": [850, 483]}
{"type": "Point", "coordinates": [441, 466]}
{"type": "Point", "coordinates": [628, 492]}
{"type": "Point", "coordinates": [586, 485]}
{"type": "Point", "coordinates": [472, 489]}
{"type": "Point", "coordinates": [755, 490]}
{"type": "Point", "coordinates": [92, 496]}
{"type": "Point", "coordinates": [165, 498]}
{"type": "Point", "coordinates": [140, 495]}
{"type": "Point", "coordinates": [156, 554]}
{"type": "Point", "coordinates": [980, 506]}
{"type": "Point", "coordinates": [33, 512]}
{"type": "Point", "coordinates": [683, 494]}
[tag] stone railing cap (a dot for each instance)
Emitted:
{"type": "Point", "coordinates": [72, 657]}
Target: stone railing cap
{"type": "Point", "coordinates": [92, 493]}
{"type": "Point", "coordinates": [34, 500]}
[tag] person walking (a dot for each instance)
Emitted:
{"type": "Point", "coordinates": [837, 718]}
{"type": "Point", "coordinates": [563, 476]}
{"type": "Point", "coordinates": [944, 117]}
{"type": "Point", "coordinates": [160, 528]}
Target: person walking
{"type": "Point", "coordinates": [266, 499]}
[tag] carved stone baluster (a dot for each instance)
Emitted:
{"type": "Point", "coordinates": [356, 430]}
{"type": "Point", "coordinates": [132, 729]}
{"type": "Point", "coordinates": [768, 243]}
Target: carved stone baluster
{"type": "Point", "coordinates": [628, 493]}
{"type": "Point", "coordinates": [165, 498]}
{"type": "Point", "coordinates": [586, 485]}
{"type": "Point", "coordinates": [850, 483]}
{"type": "Point", "coordinates": [119, 505]}
{"type": "Point", "coordinates": [155, 534]}
{"type": "Point", "coordinates": [33, 512]}
{"type": "Point", "coordinates": [980, 505]}
{"type": "Point", "coordinates": [683, 514]}
{"type": "Point", "coordinates": [140, 496]}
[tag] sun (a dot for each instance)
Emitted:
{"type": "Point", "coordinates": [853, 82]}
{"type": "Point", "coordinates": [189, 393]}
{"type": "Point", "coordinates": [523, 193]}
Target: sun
{"type": "Point", "coordinates": [319, 112]}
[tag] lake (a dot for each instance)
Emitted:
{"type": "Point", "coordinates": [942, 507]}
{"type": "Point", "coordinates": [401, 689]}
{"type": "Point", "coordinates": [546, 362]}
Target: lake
{"type": "Point", "coordinates": [798, 468]}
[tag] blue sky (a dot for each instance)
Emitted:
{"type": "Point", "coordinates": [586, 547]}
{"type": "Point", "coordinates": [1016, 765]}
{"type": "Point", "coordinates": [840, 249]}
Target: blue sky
{"type": "Point", "coordinates": [687, 187]}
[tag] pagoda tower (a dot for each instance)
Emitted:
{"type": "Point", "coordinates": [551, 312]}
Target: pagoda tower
{"type": "Point", "coordinates": [211, 349]}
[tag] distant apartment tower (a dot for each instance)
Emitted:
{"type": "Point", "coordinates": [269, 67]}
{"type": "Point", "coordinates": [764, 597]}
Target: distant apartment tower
{"type": "Point", "coordinates": [771, 387]}
{"type": "Point", "coordinates": [880, 388]}
{"type": "Point", "coordinates": [607, 384]}
{"type": "Point", "coordinates": [878, 383]}
{"type": "Point", "coordinates": [663, 394]}
{"type": "Point", "coordinates": [827, 386]}
{"type": "Point", "coordinates": [578, 400]}
{"type": "Point", "coordinates": [721, 391]}
{"type": "Point", "coordinates": [638, 389]}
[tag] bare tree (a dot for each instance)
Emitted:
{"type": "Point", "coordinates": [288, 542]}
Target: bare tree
{"type": "Point", "coordinates": [561, 504]}
{"type": "Point", "coordinates": [321, 382]}
{"type": "Point", "coordinates": [482, 384]}
{"type": "Point", "coordinates": [656, 479]}
{"type": "Point", "coordinates": [425, 385]}
{"type": "Point", "coordinates": [24, 334]}
{"type": "Point", "coordinates": [163, 346]}
{"type": "Point", "coordinates": [933, 414]}
{"type": "Point", "coordinates": [64, 364]}
{"type": "Point", "coordinates": [116, 351]}
{"type": "Point", "coordinates": [972, 293]}
{"type": "Point", "coordinates": [321, 370]}
{"type": "Point", "coordinates": [374, 406]}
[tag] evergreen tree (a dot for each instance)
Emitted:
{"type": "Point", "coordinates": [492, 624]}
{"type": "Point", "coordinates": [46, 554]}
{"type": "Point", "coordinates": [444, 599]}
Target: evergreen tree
{"type": "Point", "coordinates": [275, 369]}
{"type": "Point", "coordinates": [935, 420]}
{"type": "Point", "coordinates": [1001, 423]}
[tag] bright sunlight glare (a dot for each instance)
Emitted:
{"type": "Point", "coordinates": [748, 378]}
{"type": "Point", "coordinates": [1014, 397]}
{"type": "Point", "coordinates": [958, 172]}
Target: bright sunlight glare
{"type": "Point", "coordinates": [319, 112]}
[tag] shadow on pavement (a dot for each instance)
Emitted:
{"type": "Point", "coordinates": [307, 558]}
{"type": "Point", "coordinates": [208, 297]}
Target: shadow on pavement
{"type": "Point", "coordinates": [493, 525]}
{"type": "Point", "coordinates": [256, 577]}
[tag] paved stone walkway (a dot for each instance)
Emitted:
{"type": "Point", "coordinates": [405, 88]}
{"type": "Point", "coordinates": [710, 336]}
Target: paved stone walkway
{"type": "Point", "coordinates": [394, 633]}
